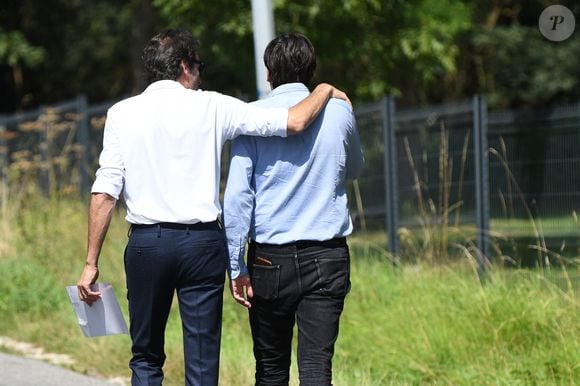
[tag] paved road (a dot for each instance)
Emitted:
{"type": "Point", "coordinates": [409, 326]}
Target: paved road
{"type": "Point", "coordinates": [17, 371]}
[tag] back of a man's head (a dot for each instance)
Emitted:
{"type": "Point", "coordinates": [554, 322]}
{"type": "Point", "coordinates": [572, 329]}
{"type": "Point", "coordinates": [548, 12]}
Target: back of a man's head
{"type": "Point", "coordinates": [163, 55]}
{"type": "Point", "coordinates": [290, 58]}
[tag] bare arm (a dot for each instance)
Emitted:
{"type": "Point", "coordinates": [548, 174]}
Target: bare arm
{"type": "Point", "coordinates": [301, 115]}
{"type": "Point", "coordinates": [100, 213]}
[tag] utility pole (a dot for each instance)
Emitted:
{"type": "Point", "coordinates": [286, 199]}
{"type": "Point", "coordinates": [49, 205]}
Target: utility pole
{"type": "Point", "coordinates": [263, 24]}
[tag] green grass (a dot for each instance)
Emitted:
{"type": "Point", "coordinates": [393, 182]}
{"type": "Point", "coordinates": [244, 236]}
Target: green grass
{"type": "Point", "coordinates": [412, 325]}
{"type": "Point", "coordinates": [549, 227]}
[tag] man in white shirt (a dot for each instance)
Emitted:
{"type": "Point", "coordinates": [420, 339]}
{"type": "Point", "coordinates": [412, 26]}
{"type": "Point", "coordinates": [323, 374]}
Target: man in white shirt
{"type": "Point", "coordinates": [162, 149]}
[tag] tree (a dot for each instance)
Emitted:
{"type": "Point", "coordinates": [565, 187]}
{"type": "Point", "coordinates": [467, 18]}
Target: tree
{"type": "Point", "coordinates": [373, 47]}
{"type": "Point", "coordinates": [15, 53]}
{"type": "Point", "coordinates": [224, 28]}
{"type": "Point", "coordinates": [506, 57]}
{"type": "Point", "coordinates": [368, 47]}
{"type": "Point", "coordinates": [88, 48]}
{"type": "Point", "coordinates": [423, 51]}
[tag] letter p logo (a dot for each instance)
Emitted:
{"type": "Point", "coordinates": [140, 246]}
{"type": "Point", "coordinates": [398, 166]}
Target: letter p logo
{"type": "Point", "coordinates": [557, 23]}
{"type": "Point", "coordinates": [557, 20]}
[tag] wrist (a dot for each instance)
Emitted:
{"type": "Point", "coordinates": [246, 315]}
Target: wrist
{"type": "Point", "coordinates": [325, 88]}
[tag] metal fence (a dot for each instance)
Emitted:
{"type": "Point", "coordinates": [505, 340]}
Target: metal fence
{"type": "Point", "coordinates": [495, 175]}
{"type": "Point", "coordinates": [454, 165]}
{"type": "Point", "coordinates": [52, 149]}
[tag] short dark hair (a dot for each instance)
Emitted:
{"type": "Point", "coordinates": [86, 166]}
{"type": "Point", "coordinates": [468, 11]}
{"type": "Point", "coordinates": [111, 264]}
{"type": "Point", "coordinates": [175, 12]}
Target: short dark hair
{"type": "Point", "coordinates": [290, 58]}
{"type": "Point", "coordinates": [163, 54]}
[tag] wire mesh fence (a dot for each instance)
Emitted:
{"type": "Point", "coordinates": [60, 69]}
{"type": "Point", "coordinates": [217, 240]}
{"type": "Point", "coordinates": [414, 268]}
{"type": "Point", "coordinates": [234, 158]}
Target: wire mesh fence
{"type": "Point", "coordinates": [534, 184]}
{"type": "Point", "coordinates": [517, 187]}
{"type": "Point", "coordinates": [53, 150]}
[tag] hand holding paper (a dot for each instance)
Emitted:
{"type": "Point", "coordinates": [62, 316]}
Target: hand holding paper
{"type": "Point", "coordinates": [104, 317]}
{"type": "Point", "coordinates": [88, 278]}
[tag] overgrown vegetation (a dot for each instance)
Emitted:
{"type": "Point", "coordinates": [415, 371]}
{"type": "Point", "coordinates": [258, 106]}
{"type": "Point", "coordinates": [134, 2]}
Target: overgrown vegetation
{"type": "Point", "coordinates": [414, 324]}
{"type": "Point", "coordinates": [425, 317]}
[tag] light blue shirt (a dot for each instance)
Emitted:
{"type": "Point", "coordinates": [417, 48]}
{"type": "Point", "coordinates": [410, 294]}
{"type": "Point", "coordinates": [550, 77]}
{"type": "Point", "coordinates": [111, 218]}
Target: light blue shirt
{"type": "Point", "coordinates": [281, 190]}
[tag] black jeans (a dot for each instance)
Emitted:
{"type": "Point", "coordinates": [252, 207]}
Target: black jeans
{"type": "Point", "coordinates": [163, 259]}
{"type": "Point", "coordinates": [305, 282]}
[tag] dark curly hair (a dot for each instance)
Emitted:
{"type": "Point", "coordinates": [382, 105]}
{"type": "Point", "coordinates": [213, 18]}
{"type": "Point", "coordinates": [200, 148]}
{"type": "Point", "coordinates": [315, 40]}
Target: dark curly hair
{"type": "Point", "coordinates": [290, 58]}
{"type": "Point", "coordinates": [163, 54]}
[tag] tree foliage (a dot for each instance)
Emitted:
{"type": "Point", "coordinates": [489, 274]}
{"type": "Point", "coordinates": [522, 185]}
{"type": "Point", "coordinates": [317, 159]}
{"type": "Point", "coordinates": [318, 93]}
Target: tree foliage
{"type": "Point", "coordinates": [423, 51]}
{"type": "Point", "coordinates": [504, 56]}
{"type": "Point", "coordinates": [378, 47]}
{"type": "Point", "coordinates": [15, 50]}
{"type": "Point", "coordinates": [517, 66]}
{"type": "Point", "coordinates": [224, 28]}
{"type": "Point", "coordinates": [368, 47]}
{"type": "Point", "coordinates": [87, 48]}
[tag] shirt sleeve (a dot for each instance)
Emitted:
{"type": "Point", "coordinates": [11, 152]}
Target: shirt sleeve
{"type": "Point", "coordinates": [355, 158]}
{"type": "Point", "coordinates": [110, 176]}
{"type": "Point", "coordinates": [240, 118]}
{"type": "Point", "coordinates": [239, 203]}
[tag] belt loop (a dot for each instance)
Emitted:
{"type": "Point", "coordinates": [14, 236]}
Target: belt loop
{"type": "Point", "coordinates": [297, 268]}
{"type": "Point", "coordinates": [158, 230]}
{"type": "Point", "coordinates": [187, 230]}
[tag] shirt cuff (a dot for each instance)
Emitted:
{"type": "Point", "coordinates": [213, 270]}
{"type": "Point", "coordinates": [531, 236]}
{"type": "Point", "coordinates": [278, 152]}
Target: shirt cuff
{"type": "Point", "coordinates": [104, 185]}
{"type": "Point", "coordinates": [236, 265]}
{"type": "Point", "coordinates": [279, 122]}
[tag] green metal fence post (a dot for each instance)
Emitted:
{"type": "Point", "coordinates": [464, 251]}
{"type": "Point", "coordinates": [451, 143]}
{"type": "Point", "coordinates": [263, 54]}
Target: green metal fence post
{"type": "Point", "coordinates": [480, 154]}
{"type": "Point", "coordinates": [390, 159]}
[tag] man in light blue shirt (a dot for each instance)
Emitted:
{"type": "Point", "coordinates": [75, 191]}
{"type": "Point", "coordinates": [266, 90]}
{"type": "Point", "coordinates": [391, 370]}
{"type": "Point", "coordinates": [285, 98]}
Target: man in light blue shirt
{"type": "Point", "coordinates": [288, 197]}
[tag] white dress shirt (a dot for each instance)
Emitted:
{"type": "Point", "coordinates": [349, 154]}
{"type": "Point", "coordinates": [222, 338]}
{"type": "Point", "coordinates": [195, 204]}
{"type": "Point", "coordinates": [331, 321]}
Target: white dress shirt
{"type": "Point", "coordinates": [163, 148]}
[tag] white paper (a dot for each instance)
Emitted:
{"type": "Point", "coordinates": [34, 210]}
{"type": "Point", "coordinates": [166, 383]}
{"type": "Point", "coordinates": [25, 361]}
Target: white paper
{"type": "Point", "coordinates": [104, 317]}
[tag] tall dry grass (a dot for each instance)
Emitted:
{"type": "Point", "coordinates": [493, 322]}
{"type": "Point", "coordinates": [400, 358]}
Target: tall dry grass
{"type": "Point", "coordinates": [409, 325]}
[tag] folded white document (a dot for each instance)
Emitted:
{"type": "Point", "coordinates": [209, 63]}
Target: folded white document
{"type": "Point", "coordinates": [104, 317]}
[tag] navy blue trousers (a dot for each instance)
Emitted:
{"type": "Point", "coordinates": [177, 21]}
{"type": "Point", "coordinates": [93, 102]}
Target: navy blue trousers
{"type": "Point", "coordinates": [304, 283]}
{"type": "Point", "coordinates": [159, 261]}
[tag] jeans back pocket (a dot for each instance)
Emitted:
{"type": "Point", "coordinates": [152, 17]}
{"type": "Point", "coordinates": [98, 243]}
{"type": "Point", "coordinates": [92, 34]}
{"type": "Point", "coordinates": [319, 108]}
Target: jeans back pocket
{"type": "Point", "coordinates": [334, 275]}
{"type": "Point", "coordinates": [265, 281]}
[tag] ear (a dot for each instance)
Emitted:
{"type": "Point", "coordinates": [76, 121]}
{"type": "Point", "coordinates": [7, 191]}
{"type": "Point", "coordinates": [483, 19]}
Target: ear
{"type": "Point", "coordinates": [184, 76]}
{"type": "Point", "coordinates": [184, 67]}
{"type": "Point", "coordinates": [268, 79]}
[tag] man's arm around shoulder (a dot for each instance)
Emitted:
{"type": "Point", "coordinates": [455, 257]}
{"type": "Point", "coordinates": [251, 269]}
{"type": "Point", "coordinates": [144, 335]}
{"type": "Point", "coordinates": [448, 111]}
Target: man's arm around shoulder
{"type": "Point", "coordinates": [301, 115]}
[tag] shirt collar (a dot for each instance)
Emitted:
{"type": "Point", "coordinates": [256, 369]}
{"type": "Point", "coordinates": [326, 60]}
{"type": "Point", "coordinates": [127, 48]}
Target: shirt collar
{"type": "Point", "coordinates": [163, 85]}
{"type": "Point", "coordinates": [287, 88]}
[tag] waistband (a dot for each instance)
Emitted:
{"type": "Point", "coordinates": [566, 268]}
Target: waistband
{"type": "Point", "coordinates": [301, 244]}
{"type": "Point", "coordinates": [172, 225]}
